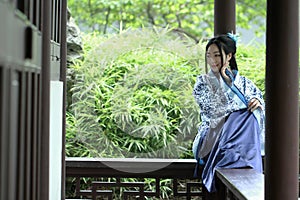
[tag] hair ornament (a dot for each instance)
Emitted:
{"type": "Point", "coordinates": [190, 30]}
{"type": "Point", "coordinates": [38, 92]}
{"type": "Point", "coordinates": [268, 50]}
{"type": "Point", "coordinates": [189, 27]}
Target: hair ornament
{"type": "Point", "coordinates": [234, 37]}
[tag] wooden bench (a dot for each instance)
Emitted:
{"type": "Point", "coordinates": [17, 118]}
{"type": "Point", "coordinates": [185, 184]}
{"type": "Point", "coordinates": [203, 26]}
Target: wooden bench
{"type": "Point", "coordinates": [241, 184]}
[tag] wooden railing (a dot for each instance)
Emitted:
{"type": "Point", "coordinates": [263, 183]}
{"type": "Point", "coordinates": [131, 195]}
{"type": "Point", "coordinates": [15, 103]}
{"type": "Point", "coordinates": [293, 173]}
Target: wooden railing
{"type": "Point", "coordinates": [94, 178]}
{"type": "Point", "coordinates": [241, 184]}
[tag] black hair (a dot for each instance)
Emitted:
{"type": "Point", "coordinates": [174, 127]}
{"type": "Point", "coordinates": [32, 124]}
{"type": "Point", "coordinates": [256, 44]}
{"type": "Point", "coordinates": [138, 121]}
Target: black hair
{"type": "Point", "coordinates": [226, 43]}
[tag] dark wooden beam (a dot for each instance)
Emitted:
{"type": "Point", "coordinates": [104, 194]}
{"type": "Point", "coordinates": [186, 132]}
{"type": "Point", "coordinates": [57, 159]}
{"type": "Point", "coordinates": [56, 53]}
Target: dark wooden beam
{"type": "Point", "coordinates": [131, 167]}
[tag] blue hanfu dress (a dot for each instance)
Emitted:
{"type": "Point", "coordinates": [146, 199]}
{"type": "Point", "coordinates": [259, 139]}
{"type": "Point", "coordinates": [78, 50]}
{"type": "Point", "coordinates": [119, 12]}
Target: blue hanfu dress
{"type": "Point", "coordinates": [229, 136]}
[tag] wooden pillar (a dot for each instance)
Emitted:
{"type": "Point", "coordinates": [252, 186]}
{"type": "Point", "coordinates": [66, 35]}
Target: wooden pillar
{"type": "Point", "coordinates": [43, 180]}
{"type": "Point", "coordinates": [224, 17]}
{"type": "Point", "coordinates": [63, 71]}
{"type": "Point", "coordinates": [282, 90]}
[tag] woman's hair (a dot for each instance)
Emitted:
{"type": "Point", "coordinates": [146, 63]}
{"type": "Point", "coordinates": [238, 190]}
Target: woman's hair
{"type": "Point", "coordinates": [226, 43]}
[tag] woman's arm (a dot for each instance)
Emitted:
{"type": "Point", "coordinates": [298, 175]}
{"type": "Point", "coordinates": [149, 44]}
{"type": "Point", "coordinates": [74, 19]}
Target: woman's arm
{"type": "Point", "coordinates": [251, 92]}
{"type": "Point", "coordinates": [201, 95]}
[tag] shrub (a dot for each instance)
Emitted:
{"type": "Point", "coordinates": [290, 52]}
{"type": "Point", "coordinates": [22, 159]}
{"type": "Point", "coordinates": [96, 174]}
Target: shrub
{"type": "Point", "coordinates": [132, 94]}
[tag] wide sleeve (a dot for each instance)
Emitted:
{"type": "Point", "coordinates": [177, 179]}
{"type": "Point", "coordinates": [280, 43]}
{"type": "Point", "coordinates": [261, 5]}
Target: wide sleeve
{"type": "Point", "coordinates": [211, 99]}
{"type": "Point", "coordinates": [200, 93]}
{"type": "Point", "coordinates": [250, 90]}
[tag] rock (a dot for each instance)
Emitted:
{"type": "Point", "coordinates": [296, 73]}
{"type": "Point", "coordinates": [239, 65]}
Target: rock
{"type": "Point", "coordinates": [74, 40]}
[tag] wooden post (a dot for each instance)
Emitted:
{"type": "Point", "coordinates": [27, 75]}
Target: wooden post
{"type": "Point", "coordinates": [224, 17]}
{"type": "Point", "coordinates": [63, 68]}
{"type": "Point", "coordinates": [282, 90]}
{"type": "Point", "coordinates": [43, 181]}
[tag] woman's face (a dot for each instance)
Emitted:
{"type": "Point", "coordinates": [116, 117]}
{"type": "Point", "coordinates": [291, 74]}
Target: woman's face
{"type": "Point", "coordinates": [213, 57]}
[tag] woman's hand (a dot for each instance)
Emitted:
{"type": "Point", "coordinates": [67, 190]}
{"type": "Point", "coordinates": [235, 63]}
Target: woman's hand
{"type": "Point", "coordinates": [254, 104]}
{"type": "Point", "coordinates": [224, 75]}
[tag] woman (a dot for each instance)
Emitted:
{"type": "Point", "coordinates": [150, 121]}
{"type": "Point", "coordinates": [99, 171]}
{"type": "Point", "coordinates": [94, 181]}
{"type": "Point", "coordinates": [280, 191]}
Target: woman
{"type": "Point", "coordinates": [231, 134]}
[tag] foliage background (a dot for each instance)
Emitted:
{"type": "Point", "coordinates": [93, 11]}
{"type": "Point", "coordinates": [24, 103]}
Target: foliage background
{"type": "Point", "coordinates": [132, 95]}
{"type": "Point", "coordinates": [192, 17]}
